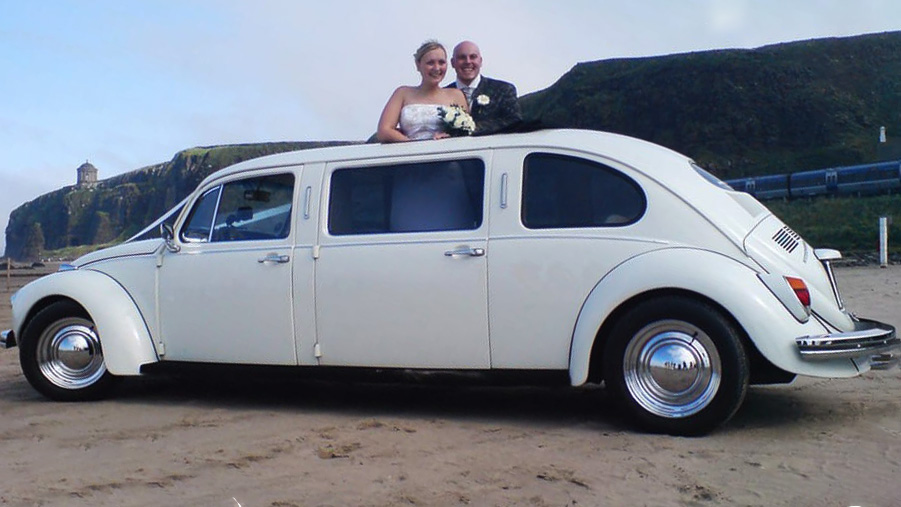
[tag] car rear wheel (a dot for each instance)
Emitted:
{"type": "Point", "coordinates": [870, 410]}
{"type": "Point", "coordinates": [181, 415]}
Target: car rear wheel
{"type": "Point", "coordinates": [61, 355]}
{"type": "Point", "coordinates": [678, 366]}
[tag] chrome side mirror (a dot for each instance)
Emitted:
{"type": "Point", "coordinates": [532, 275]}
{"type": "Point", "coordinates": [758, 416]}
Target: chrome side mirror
{"type": "Point", "coordinates": [168, 235]}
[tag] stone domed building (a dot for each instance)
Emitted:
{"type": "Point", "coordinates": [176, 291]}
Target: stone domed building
{"type": "Point", "coordinates": [87, 175]}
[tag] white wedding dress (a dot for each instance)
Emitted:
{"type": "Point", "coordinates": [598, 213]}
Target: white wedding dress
{"type": "Point", "coordinates": [420, 121]}
{"type": "Point", "coordinates": [430, 196]}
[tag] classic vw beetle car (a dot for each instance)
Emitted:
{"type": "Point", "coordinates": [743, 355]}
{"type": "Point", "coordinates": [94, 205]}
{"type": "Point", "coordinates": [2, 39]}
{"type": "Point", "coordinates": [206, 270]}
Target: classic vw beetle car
{"type": "Point", "coordinates": [582, 255]}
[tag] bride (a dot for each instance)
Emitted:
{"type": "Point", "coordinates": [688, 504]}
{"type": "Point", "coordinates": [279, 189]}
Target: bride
{"type": "Point", "coordinates": [411, 113]}
{"type": "Point", "coordinates": [427, 196]}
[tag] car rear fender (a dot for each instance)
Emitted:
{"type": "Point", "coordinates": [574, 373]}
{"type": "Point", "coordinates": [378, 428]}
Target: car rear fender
{"type": "Point", "coordinates": [734, 286]}
{"type": "Point", "coordinates": [124, 336]}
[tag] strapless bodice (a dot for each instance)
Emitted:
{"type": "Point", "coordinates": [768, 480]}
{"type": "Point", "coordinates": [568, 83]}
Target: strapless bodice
{"type": "Point", "coordinates": [420, 121]}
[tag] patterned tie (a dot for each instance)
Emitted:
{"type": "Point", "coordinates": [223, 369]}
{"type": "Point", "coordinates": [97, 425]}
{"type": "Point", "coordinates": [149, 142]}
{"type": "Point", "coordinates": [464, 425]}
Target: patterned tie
{"type": "Point", "coordinates": [467, 91]}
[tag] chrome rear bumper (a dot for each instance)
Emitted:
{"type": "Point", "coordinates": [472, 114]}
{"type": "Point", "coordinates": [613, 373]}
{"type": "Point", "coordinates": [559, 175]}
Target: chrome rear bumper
{"type": "Point", "coordinates": [7, 339]}
{"type": "Point", "coordinates": [870, 340]}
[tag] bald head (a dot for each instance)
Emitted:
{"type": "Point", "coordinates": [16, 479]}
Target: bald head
{"type": "Point", "coordinates": [467, 61]}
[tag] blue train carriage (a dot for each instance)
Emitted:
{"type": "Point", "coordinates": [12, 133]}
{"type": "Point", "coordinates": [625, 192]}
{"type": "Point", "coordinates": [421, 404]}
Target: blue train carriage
{"type": "Point", "coordinates": [773, 186]}
{"type": "Point", "coordinates": [868, 179]}
{"type": "Point", "coordinates": [811, 183]}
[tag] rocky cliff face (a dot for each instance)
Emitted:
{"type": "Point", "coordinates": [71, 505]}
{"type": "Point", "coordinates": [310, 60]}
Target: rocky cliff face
{"type": "Point", "coordinates": [116, 208]}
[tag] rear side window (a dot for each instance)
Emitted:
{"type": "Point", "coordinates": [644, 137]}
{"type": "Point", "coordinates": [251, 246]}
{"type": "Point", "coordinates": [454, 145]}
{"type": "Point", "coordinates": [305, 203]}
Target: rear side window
{"type": "Point", "coordinates": [421, 197]}
{"type": "Point", "coordinates": [561, 191]}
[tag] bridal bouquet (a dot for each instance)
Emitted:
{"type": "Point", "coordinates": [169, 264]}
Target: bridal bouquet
{"type": "Point", "coordinates": [457, 121]}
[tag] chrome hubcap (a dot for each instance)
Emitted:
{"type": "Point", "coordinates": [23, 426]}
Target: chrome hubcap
{"type": "Point", "coordinates": [69, 354]}
{"type": "Point", "coordinates": [672, 368]}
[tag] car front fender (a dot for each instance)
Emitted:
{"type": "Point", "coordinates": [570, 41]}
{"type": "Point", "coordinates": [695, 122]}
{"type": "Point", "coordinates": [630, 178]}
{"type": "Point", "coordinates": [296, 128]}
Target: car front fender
{"type": "Point", "coordinates": [731, 284]}
{"type": "Point", "coordinates": [124, 335]}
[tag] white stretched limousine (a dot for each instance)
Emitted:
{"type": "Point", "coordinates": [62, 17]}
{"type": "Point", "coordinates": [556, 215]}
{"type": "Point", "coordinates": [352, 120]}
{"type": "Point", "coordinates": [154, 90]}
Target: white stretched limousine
{"type": "Point", "coordinates": [566, 254]}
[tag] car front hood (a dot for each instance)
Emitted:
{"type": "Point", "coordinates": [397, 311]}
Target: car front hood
{"type": "Point", "coordinates": [130, 249]}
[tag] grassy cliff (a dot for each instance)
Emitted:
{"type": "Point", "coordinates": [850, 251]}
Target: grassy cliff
{"type": "Point", "coordinates": [781, 108]}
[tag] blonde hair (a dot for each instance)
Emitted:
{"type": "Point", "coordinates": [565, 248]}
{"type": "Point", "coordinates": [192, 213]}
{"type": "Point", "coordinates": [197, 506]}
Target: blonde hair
{"type": "Point", "coordinates": [427, 46]}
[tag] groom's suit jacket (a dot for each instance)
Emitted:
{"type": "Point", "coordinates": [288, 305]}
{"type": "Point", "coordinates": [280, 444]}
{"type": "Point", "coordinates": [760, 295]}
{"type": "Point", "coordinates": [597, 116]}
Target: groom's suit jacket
{"type": "Point", "coordinates": [502, 108]}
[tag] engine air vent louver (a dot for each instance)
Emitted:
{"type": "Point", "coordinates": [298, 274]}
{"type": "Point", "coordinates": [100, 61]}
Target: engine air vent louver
{"type": "Point", "coordinates": [787, 239]}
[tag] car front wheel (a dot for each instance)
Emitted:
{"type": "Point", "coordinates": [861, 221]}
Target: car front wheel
{"type": "Point", "coordinates": [61, 355]}
{"type": "Point", "coordinates": [678, 366]}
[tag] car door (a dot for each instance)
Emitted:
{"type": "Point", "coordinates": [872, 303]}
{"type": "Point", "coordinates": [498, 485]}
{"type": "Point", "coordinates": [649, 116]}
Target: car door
{"type": "Point", "coordinates": [400, 276]}
{"type": "Point", "coordinates": [226, 295]}
{"type": "Point", "coordinates": [569, 221]}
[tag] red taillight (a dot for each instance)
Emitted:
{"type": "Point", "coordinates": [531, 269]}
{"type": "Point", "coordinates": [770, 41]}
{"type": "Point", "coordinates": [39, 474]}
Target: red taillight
{"type": "Point", "coordinates": [800, 289]}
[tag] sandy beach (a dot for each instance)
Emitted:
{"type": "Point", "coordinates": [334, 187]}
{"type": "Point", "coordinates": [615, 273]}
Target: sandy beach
{"type": "Point", "coordinates": [307, 443]}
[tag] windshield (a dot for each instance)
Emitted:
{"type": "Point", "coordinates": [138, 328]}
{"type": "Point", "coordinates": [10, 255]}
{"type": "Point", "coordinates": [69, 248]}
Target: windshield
{"type": "Point", "coordinates": [152, 231]}
{"type": "Point", "coordinates": [711, 178]}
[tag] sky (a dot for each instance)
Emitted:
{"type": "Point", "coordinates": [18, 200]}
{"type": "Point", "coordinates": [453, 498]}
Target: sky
{"type": "Point", "coordinates": [125, 85]}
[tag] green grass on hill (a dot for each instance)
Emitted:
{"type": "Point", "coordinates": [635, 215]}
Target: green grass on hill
{"type": "Point", "coordinates": [849, 224]}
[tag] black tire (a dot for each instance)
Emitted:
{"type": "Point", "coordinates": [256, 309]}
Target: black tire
{"type": "Point", "coordinates": [61, 355]}
{"type": "Point", "coordinates": [677, 365]}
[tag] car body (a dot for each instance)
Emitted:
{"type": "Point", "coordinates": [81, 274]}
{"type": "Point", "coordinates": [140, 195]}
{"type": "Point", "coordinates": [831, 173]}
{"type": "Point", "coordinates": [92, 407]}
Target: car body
{"type": "Point", "coordinates": [590, 255]}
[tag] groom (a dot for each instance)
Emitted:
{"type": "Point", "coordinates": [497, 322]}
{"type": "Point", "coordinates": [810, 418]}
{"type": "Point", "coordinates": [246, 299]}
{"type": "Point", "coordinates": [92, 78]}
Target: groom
{"type": "Point", "coordinates": [492, 103]}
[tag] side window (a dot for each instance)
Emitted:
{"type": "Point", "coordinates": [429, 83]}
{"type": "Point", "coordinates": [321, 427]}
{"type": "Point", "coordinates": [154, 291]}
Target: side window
{"type": "Point", "coordinates": [562, 191]}
{"type": "Point", "coordinates": [254, 209]}
{"type": "Point", "coordinates": [197, 227]}
{"type": "Point", "coordinates": [420, 197]}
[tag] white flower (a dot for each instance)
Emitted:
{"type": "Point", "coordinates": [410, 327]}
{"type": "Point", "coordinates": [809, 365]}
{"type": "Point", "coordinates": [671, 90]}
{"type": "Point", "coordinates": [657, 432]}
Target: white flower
{"type": "Point", "coordinates": [483, 100]}
{"type": "Point", "coordinates": [456, 120]}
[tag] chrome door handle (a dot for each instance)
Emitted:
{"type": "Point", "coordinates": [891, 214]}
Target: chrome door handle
{"type": "Point", "coordinates": [274, 258]}
{"type": "Point", "coordinates": [472, 252]}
